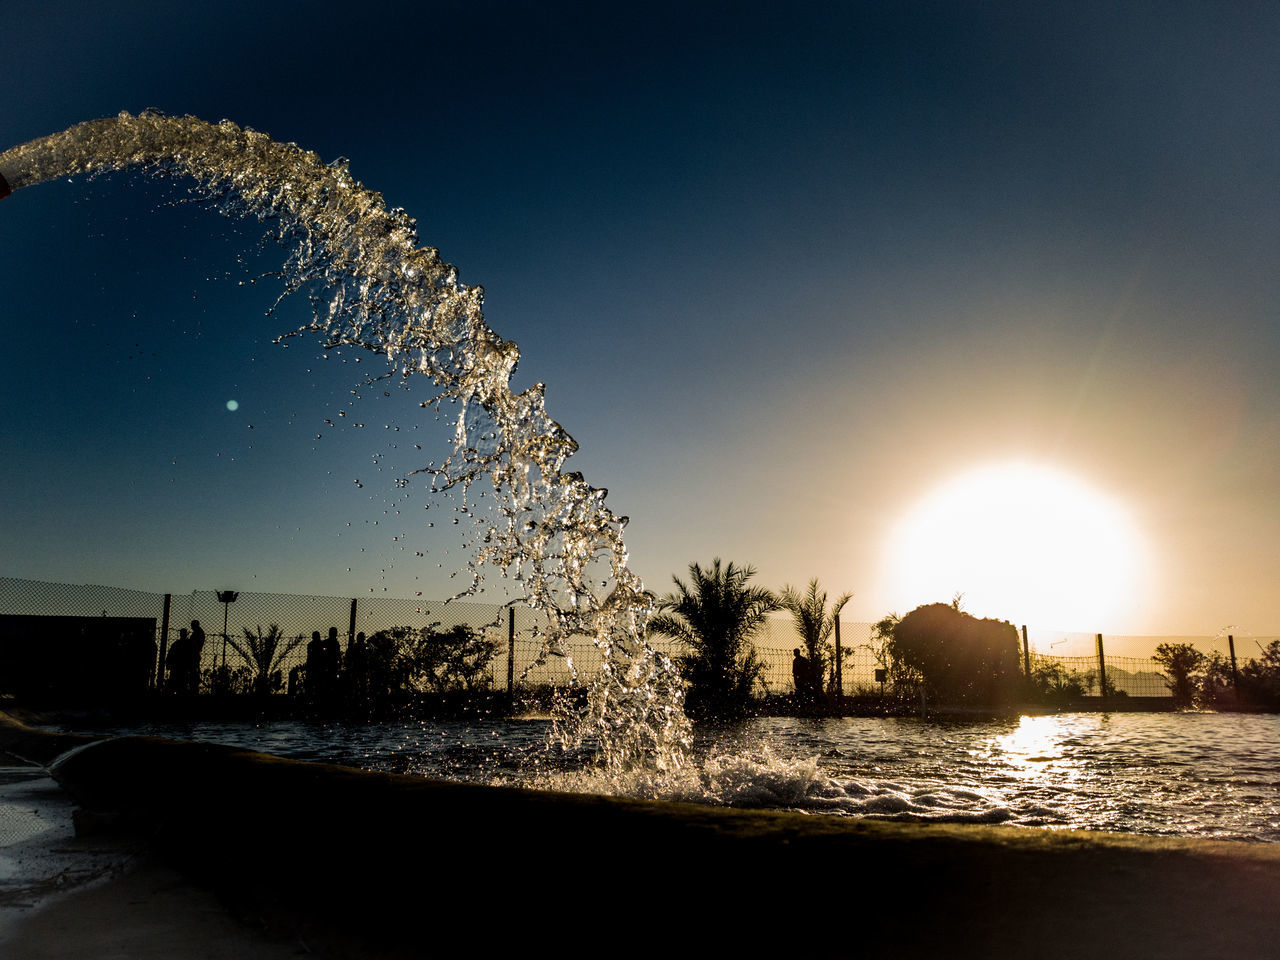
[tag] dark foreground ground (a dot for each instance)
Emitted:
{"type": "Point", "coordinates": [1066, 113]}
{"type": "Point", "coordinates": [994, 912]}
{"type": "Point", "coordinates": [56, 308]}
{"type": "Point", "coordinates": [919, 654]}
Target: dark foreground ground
{"type": "Point", "coordinates": [310, 859]}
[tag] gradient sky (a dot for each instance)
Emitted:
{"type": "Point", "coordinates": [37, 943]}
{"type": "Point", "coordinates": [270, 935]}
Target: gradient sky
{"type": "Point", "coordinates": [784, 271]}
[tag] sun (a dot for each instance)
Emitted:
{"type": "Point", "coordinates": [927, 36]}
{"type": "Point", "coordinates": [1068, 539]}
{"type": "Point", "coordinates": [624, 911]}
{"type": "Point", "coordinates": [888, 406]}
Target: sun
{"type": "Point", "coordinates": [1024, 542]}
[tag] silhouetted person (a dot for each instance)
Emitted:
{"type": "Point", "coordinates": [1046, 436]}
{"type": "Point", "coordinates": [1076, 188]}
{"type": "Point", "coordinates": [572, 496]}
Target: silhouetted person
{"type": "Point", "coordinates": [183, 662]}
{"type": "Point", "coordinates": [177, 659]}
{"type": "Point", "coordinates": [197, 651]}
{"type": "Point", "coordinates": [315, 664]}
{"type": "Point", "coordinates": [355, 667]}
{"type": "Point", "coordinates": [801, 676]}
{"type": "Point", "coordinates": [332, 660]}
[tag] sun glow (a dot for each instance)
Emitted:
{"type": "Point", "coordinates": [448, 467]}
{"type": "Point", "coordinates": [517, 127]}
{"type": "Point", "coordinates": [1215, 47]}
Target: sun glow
{"type": "Point", "coordinates": [1022, 542]}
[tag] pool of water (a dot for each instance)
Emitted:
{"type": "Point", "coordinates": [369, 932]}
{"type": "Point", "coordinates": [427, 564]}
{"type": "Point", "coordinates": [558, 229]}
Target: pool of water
{"type": "Point", "coordinates": [1183, 774]}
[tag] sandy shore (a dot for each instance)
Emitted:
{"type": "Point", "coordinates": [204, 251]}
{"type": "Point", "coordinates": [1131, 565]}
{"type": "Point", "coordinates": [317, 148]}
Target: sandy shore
{"type": "Point", "coordinates": [345, 863]}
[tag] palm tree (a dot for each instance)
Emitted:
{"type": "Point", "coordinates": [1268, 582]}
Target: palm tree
{"type": "Point", "coordinates": [714, 616]}
{"type": "Point", "coordinates": [264, 653]}
{"type": "Point", "coordinates": [813, 622]}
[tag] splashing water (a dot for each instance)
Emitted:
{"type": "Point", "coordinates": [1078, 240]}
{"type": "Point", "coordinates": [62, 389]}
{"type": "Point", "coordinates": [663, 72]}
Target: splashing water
{"type": "Point", "coordinates": [372, 286]}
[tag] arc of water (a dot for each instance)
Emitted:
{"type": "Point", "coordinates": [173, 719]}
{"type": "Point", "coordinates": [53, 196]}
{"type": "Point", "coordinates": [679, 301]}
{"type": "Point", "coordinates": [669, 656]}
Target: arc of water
{"type": "Point", "coordinates": [375, 288]}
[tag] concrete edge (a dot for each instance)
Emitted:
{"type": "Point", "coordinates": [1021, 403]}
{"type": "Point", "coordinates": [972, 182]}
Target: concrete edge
{"type": "Point", "coordinates": [289, 839]}
{"type": "Point", "coordinates": [39, 747]}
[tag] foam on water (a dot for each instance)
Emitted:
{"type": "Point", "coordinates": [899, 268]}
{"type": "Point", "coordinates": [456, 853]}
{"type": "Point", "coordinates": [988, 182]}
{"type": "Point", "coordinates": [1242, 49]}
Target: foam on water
{"type": "Point", "coordinates": [740, 779]}
{"type": "Point", "coordinates": [762, 779]}
{"type": "Point", "coordinates": [372, 286]}
{"type": "Point", "coordinates": [1203, 775]}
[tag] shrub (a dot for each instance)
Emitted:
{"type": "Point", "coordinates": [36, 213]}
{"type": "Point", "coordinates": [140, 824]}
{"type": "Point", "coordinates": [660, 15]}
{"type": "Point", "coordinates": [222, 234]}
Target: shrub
{"type": "Point", "coordinates": [407, 659]}
{"type": "Point", "coordinates": [1185, 666]}
{"type": "Point", "coordinates": [1053, 682]}
{"type": "Point", "coordinates": [959, 658]}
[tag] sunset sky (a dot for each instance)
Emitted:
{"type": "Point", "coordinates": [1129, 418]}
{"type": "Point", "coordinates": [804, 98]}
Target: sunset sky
{"type": "Point", "coordinates": [824, 289]}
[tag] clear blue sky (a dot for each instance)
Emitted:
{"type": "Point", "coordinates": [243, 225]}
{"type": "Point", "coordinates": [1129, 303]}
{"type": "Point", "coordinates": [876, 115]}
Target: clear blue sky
{"type": "Point", "coordinates": [785, 271]}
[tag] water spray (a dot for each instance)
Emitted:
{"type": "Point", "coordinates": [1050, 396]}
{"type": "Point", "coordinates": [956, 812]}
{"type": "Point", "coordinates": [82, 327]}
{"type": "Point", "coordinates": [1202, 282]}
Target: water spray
{"type": "Point", "coordinates": [374, 288]}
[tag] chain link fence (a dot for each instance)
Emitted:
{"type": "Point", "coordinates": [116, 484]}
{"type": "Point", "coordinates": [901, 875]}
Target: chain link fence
{"type": "Point", "coordinates": [77, 628]}
{"type": "Point", "coordinates": [122, 636]}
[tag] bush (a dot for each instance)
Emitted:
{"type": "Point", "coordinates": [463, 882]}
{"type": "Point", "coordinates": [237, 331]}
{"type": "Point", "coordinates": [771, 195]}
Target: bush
{"type": "Point", "coordinates": [959, 658]}
{"type": "Point", "coordinates": [1256, 682]}
{"type": "Point", "coordinates": [456, 659]}
{"type": "Point", "coordinates": [402, 660]}
{"type": "Point", "coordinates": [1185, 666]}
{"type": "Point", "coordinates": [1260, 678]}
{"type": "Point", "coordinates": [1053, 682]}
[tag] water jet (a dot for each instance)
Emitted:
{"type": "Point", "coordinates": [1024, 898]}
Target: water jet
{"type": "Point", "coordinates": [374, 288]}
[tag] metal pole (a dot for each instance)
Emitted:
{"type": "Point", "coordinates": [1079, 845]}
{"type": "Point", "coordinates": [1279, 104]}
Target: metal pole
{"type": "Point", "coordinates": [1102, 671]}
{"type": "Point", "coordinates": [1026, 652]}
{"type": "Point", "coordinates": [1235, 674]}
{"type": "Point", "coordinates": [164, 641]}
{"type": "Point", "coordinates": [351, 628]}
{"type": "Point", "coordinates": [511, 649]}
{"type": "Point", "coordinates": [839, 663]}
{"type": "Point", "coordinates": [226, 598]}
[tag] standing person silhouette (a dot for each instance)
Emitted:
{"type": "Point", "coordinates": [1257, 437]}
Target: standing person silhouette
{"type": "Point", "coordinates": [801, 677]}
{"type": "Point", "coordinates": [314, 680]}
{"type": "Point", "coordinates": [177, 661]}
{"type": "Point", "coordinates": [332, 660]}
{"type": "Point", "coordinates": [193, 657]}
{"type": "Point", "coordinates": [355, 667]}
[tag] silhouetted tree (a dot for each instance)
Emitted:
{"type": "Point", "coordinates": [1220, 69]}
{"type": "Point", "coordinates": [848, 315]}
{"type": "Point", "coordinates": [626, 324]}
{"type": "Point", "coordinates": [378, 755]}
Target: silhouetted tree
{"type": "Point", "coordinates": [960, 658]}
{"type": "Point", "coordinates": [1254, 681]}
{"type": "Point", "coordinates": [814, 624]}
{"type": "Point", "coordinates": [410, 659]}
{"type": "Point", "coordinates": [453, 659]}
{"type": "Point", "coordinates": [264, 653]}
{"type": "Point", "coordinates": [1183, 663]}
{"type": "Point", "coordinates": [882, 649]}
{"type": "Point", "coordinates": [388, 665]}
{"type": "Point", "coordinates": [1260, 677]}
{"type": "Point", "coordinates": [714, 616]}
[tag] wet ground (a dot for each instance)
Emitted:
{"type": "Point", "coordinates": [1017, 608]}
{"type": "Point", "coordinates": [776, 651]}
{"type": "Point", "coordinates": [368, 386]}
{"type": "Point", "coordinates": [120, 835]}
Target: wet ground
{"type": "Point", "coordinates": [41, 858]}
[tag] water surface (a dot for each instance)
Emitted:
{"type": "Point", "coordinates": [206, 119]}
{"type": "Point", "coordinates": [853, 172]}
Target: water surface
{"type": "Point", "coordinates": [1184, 774]}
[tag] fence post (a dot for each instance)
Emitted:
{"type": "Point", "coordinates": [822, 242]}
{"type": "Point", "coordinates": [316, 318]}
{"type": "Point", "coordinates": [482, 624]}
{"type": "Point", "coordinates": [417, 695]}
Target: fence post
{"type": "Point", "coordinates": [1026, 653]}
{"type": "Point", "coordinates": [511, 649]}
{"type": "Point", "coordinates": [164, 640]}
{"type": "Point", "coordinates": [1235, 674]}
{"type": "Point", "coordinates": [1102, 671]}
{"type": "Point", "coordinates": [839, 663]}
{"type": "Point", "coordinates": [351, 628]}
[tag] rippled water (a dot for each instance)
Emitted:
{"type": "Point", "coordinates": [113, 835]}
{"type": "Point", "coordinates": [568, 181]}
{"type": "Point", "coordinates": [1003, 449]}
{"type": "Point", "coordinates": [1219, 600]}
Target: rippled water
{"type": "Point", "coordinates": [1187, 774]}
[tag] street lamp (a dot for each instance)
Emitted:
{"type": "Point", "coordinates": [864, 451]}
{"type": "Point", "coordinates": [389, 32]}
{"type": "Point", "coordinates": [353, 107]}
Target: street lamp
{"type": "Point", "coordinates": [226, 598]}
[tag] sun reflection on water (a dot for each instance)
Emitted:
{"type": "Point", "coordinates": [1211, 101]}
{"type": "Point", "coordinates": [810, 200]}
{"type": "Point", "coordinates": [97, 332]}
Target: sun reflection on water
{"type": "Point", "coordinates": [1034, 751]}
